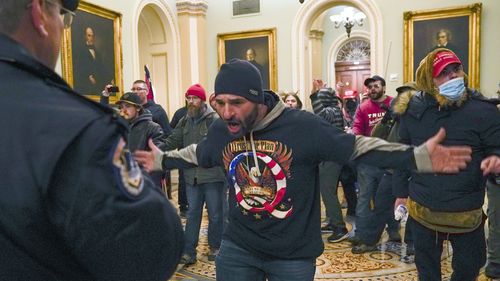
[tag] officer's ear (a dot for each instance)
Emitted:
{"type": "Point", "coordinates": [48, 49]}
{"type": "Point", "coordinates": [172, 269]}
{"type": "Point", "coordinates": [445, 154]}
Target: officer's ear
{"type": "Point", "coordinates": [38, 17]}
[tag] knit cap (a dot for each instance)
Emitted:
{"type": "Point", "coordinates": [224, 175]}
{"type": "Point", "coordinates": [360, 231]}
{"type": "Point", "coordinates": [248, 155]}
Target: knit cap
{"type": "Point", "coordinates": [197, 90]}
{"type": "Point", "coordinates": [241, 78]}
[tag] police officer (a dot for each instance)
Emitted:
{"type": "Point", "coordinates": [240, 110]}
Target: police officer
{"type": "Point", "coordinates": [73, 203]}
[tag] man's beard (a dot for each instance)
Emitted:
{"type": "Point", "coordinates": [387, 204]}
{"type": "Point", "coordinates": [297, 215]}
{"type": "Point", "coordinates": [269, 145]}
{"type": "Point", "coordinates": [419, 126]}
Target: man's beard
{"type": "Point", "coordinates": [193, 111]}
{"type": "Point", "coordinates": [377, 95]}
{"type": "Point", "coordinates": [246, 124]}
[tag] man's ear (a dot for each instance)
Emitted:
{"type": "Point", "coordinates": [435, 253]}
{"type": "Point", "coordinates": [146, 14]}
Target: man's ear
{"type": "Point", "coordinates": [38, 17]}
{"type": "Point", "coordinates": [212, 101]}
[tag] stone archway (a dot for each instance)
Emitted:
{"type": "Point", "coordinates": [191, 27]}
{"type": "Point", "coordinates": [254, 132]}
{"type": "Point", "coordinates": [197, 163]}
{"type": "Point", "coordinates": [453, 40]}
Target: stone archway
{"type": "Point", "coordinates": [157, 44]}
{"type": "Point", "coordinates": [301, 70]}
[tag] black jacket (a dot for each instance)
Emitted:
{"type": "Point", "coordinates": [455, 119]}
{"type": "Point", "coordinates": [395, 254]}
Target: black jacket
{"type": "Point", "coordinates": [141, 130]}
{"type": "Point", "coordinates": [73, 204]}
{"type": "Point", "coordinates": [159, 116]}
{"type": "Point", "coordinates": [178, 115]}
{"type": "Point", "coordinates": [475, 123]}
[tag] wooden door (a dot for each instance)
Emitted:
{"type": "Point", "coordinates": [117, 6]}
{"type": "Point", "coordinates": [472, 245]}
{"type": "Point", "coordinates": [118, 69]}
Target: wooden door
{"type": "Point", "coordinates": [352, 74]}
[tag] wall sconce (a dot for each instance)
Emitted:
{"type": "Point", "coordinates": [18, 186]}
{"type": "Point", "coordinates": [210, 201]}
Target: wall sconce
{"type": "Point", "coordinates": [348, 18]}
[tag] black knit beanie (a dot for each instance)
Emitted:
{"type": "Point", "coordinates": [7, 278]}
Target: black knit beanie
{"type": "Point", "coordinates": [241, 78]}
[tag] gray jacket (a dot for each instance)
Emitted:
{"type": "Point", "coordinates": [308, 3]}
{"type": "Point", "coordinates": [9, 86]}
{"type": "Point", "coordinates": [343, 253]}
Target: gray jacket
{"type": "Point", "coordinates": [188, 131]}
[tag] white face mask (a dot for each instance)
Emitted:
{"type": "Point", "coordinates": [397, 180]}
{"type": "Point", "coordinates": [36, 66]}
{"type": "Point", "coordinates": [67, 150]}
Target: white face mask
{"type": "Point", "coordinates": [453, 90]}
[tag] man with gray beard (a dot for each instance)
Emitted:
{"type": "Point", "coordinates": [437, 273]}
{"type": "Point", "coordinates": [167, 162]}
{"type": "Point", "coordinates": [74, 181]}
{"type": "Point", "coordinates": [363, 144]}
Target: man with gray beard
{"type": "Point", "coordinates": [202, 184]}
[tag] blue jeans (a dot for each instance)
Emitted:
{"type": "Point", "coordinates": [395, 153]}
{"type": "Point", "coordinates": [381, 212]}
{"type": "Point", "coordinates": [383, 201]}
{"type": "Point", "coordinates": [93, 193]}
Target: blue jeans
{"type": "Point", "coordinates": [371, 229]}
{"type": "Point", "coordinates": [369, 179]}
{"type": "Point", "coordinates": [197, 195]}
{"type": "Point", "coordinates": [236, 263]}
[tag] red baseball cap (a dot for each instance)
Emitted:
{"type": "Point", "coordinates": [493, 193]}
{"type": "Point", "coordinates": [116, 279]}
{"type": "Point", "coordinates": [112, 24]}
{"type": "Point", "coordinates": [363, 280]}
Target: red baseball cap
{"type": "Point", "coordinates": [442, 60]}
{"type": "Point", "coordinates": [350, 94]}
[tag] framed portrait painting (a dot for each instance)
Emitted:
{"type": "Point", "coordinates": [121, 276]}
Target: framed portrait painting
{"type": "Point", "coordinates": [257, 47]}
{"type": "Point", "coordinates": [456, 28]}
{"type": "Point", "coordinates": [91, 52]}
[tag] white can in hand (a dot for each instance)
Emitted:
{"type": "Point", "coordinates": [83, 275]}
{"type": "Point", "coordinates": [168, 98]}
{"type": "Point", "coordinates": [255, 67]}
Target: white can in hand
{"type": "Point", "coordinates": [401, 213]}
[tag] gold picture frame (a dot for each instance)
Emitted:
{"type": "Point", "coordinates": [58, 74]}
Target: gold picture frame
{"type": "Point", "coordinates": [89, 69]}
{"type": "Point", "coordinates": [236, 45]}
{"type": "Point", "coordinates": [461, 26]}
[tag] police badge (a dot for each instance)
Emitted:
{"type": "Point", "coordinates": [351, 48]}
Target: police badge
{"type": "Point", "coordinates": [126, 170]}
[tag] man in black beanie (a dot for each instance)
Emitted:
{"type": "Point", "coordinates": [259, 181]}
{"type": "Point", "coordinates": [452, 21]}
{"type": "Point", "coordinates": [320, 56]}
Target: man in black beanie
{"type": "Point", "coordinates": [74, 203]}
{"type": "Point", "coordinates": [271, 155]}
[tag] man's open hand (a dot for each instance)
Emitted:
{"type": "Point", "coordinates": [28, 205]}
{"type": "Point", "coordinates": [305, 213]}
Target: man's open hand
{"type": "Point", "coordinates": [149, 160]}
{"type": "Point", "coordinates": [447, 159]}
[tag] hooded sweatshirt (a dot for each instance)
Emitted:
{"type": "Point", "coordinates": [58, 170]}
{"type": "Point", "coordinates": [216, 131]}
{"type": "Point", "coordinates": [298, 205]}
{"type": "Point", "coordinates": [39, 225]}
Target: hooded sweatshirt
{"type": "Point", "coordinates": [274, 199]}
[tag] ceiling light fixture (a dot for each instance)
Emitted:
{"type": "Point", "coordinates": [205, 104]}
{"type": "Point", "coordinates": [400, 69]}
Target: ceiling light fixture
{"type": "Point", "coordinates": [348, 18]}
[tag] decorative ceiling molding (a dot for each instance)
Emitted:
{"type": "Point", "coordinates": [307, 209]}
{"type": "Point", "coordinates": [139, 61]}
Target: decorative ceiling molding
{"type": "Point", "coordinates": [192, 7]}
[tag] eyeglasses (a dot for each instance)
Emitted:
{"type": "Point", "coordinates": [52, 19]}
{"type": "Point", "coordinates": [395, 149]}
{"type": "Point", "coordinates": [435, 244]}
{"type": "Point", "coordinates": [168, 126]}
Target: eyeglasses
{"type": "Point", "coordinates": [449, 69]}
{"type": "Point", "coordinates": [133, 89]}
{"type": "Point", "coordinates": [65, 14]}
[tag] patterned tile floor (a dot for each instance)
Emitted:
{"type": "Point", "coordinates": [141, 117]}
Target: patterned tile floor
{"type": "Point", "coordinates": [337, 263]}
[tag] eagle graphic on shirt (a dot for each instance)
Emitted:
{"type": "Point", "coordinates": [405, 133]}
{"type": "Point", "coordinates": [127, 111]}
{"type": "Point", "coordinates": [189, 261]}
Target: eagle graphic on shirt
{"type": "Point", "coordinates": [260, 179]}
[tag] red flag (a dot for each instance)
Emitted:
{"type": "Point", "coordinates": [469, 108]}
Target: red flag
{"type": "Point", "coordinates": [149, 83]}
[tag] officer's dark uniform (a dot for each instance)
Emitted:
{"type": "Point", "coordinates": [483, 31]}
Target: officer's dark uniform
{"type": "Point", "coordinates": [73, 203]}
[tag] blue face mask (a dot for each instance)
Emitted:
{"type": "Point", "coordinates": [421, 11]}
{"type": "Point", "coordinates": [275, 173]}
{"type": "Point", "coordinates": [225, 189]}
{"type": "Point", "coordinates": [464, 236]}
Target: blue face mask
{"type": "Point", "coordinates": [453, 89]}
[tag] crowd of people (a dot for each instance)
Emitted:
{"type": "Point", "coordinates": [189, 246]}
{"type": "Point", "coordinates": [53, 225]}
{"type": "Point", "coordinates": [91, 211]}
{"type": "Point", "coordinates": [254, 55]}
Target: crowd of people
{"type": "Point", "coordinates": [85, 200]}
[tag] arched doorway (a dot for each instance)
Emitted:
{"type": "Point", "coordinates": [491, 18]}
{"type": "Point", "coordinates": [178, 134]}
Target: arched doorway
{"type": "Point", "coordinates": [307, 14]}
{"type": "Point", "coordinates": [352, 63]}
{"type": "Point", "coordinates": [157, 41]}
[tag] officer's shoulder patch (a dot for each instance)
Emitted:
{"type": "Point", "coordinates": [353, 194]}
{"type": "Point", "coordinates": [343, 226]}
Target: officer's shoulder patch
{"type": "Point", "coordinates": [126, 171]}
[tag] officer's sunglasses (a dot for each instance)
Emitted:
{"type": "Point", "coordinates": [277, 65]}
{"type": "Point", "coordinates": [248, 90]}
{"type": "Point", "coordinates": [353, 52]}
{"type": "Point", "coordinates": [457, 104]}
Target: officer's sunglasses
{"type": "Point", "coordinates": [65, 14]}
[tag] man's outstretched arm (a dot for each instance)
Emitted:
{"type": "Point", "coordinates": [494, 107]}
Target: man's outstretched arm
{"type": "Point", "coordinates": [158, 160]}
{"type": "Point", "coordinates": [430, 157]}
